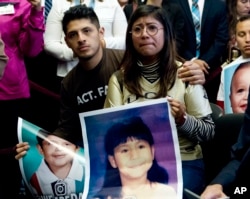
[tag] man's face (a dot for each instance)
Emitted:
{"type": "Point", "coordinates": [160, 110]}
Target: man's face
{"type": "Point", "coordinates": [57, 152]}
{"type": "Point", "coordinates": [133, 159]}
{"type": "Point", "coordinates": [239, 90]}
{"type": "Point", "coordinates": [243, 37]}
{"type": "Point", "coordinates": [84, 38]}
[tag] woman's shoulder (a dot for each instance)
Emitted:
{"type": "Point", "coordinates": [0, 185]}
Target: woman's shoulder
{"type": "Point", "coordinates": [117, 76]}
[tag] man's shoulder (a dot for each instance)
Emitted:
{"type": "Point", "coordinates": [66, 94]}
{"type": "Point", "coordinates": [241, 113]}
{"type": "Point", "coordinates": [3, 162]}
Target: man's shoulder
{"type": "Point", "coordinates": [112, 52]}
{"type": "Point", "coordinates": [112, 58]}
{"type": "Point", "coordinates": [71, 73]}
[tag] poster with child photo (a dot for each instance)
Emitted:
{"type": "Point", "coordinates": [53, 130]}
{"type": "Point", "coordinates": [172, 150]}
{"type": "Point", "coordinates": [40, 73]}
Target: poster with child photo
{"type": "Point", "coordinates": [54, 165]}
{"type": "Point", "coordinates": [236, 86]}
{"type": "Point", "coordinates": [132, 151]}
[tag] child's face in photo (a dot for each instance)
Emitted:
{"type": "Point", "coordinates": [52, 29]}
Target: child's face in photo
{"type": "Point", "coordinates": [239, 90]}
{"type": "Point", "coordinates": [57, 152]}
{"type": "Point", "coordinates": [133, 158]}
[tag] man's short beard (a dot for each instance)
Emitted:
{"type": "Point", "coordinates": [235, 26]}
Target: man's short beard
{"type": "Point", "coordinates": [86, 58]}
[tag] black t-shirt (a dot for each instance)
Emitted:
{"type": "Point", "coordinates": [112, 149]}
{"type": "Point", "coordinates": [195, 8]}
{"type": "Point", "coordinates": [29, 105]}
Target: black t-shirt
{"type": "Point", "coordinates": [83, 91]}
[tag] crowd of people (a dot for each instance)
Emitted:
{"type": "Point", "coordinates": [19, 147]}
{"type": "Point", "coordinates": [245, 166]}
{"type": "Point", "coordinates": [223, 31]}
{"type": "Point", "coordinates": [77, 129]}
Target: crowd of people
{"type": "Point", "coordinates": [110, 53]}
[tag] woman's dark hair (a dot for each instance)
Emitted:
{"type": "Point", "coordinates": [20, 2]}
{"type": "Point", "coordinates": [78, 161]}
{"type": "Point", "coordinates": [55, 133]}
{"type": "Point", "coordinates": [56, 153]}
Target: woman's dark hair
{"type": "Point", "coordinates": [79, 12]}
{"type": "Point", "coordinates": [119, 133]}
{"type": "Point", "coordinates": [168, 55]}
{"type": "Point", "coordinates": [232, 15]}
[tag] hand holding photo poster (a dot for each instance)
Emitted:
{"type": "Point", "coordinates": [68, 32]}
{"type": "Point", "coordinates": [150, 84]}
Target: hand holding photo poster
{"type": "Point", "coordinates": [54, 166]}
{"type": "Point", "coordinates": [132, 151]}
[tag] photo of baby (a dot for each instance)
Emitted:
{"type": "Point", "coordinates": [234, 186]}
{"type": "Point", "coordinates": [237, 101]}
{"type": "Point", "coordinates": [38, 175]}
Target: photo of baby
{"type": "Point", "coordinates": [236, 86]}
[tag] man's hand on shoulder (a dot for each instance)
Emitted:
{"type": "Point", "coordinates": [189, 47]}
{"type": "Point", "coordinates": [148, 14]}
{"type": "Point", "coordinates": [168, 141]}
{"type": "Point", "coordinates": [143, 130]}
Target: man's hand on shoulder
{"type": "Point", "coordinates": [192, 73]}
{"type": "Point", "coordinates": [203, 65]}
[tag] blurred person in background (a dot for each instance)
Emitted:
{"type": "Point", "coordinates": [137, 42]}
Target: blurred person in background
{"type": "Point", "coordinates": [206, 42]}
{"type": "Point", "coordinates": [21, 29]}
{"type": "Point", "coordinates": [242, 38]}
{"type": "Point", "coordinates": [236, 9]}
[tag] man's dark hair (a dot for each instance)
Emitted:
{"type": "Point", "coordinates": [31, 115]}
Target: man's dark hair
{"type": "Point", "coordinates": [79, 12]}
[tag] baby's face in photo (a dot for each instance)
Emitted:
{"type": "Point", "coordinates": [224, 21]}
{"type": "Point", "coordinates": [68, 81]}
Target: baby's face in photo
{"type": "Point", "coordinates": [239, 90]}
{"type": "Point", "coordinates": [58, 152]}
{"type": "Point", "coordinates": [133, 158]}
